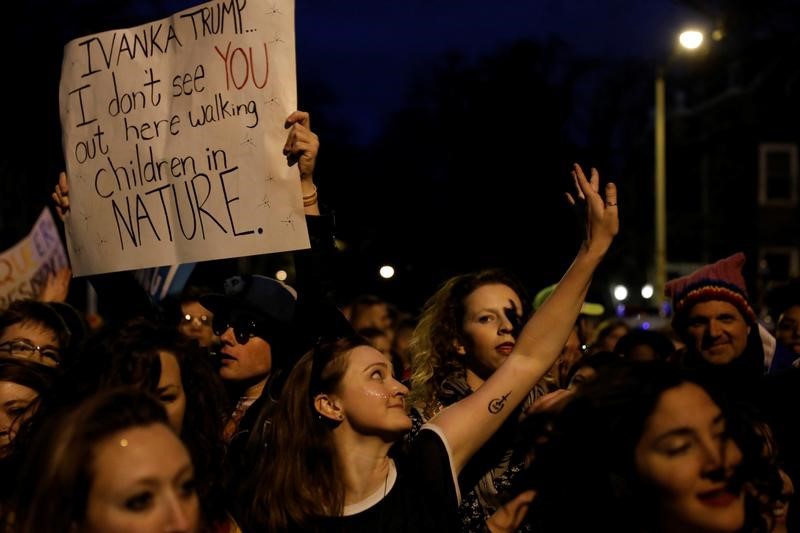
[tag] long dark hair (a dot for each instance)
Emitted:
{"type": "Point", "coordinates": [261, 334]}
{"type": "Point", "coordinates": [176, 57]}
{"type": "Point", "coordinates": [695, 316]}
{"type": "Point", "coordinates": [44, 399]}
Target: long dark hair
{"type": "Point", "coordinates": [39, 378]}
{"type": "Point", "coordinates": [297, 483]}
{"type": "Point", "coordinates": [129, 356]}
{"type": "Point", "coordinates": [588, 460]}
{"type": "Point", "coordinates": [53, 488]}
{"type": "Point", "coordinates": [32, 375]}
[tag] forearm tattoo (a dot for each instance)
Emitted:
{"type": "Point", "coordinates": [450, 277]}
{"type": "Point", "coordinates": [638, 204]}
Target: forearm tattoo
{"type": "Point", "coordinates": [496, 405]}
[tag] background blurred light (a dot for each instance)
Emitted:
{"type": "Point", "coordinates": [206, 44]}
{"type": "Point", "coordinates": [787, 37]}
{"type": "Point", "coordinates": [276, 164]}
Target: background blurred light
{"type": "Point", "coordinates": [647, 291]}
{"type": "Point", "coordinates": [281, 275]}
{"type": "Point", "coordinates": [387, 271]}
{"type": "Point", "coordinates": [620, 293]}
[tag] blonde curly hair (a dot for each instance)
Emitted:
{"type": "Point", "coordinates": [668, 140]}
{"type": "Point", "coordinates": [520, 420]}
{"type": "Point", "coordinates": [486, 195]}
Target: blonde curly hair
{"type": "Point", "coordinates": [440, 329]}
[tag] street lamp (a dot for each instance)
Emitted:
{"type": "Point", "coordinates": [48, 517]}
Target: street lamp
{"type": "Point", "coordinates": [690, 40]}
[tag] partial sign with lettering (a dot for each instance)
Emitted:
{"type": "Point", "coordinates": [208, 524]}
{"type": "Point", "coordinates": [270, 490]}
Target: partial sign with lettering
{"type": "Point", "coordinates": [173, 134]}
{"type": "Point", "coordinates": [25, 266]}
{"type": "Point", "coordinates": [162, 281]}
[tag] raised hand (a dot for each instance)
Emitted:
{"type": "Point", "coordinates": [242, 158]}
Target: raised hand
{"type": "Point", "coordinates": [302, 144]}
{"type": "Point", "coordinates": [509, 517]}
{"type": "Point", "coordinates": [61, 196]}
{"type": "Point", "coordinates": [550, 402]}
{"type": "Point", "coordinates": [602, 214]}
{"type": "Point", "coordinates": [56, 288]}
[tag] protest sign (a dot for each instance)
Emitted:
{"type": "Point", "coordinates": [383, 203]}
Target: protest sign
{"type": "Point", "coordinates": [25, 266]}
{"type": "Point", "coordinates": [162, 281]}
{"type": "Point", "coordinates": [173, 134]}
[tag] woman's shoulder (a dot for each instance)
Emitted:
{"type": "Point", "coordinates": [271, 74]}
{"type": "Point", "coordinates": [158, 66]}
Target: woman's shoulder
{"type": "Point", "coordinates": [420, 415]}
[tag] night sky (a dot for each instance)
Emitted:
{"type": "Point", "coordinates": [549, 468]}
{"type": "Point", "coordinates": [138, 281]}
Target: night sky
{"type": "Point", "coordinates": [366, 50]}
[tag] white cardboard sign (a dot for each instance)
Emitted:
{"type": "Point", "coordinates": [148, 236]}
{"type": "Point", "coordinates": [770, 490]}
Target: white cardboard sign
{"type": "Point", "coordinates": [173, 134]}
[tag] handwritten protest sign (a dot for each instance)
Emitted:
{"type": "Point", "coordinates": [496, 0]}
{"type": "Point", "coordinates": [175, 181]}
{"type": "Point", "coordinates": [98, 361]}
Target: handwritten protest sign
{"type": "Point", "coordinates": [173, 134]}
{"type": "Point", "coordinates": [25, 266]}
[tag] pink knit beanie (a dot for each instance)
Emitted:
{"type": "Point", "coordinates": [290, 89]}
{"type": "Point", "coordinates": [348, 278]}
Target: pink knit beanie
{"type": "Point", "coordinates": [722, 280]}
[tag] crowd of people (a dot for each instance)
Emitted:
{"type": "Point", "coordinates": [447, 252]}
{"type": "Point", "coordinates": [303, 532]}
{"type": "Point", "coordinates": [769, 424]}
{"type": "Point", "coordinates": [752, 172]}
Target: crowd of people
{"type": "Point", "coordinates": [265, 407]}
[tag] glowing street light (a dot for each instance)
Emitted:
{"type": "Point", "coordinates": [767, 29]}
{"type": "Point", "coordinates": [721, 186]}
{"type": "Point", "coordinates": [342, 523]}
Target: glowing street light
{"type": "Point", "coordinates": [281, 275]}
{"type": "Point", "coordinates": [387, 271]}
{"type": "Point", "coordinates": [691, 39]}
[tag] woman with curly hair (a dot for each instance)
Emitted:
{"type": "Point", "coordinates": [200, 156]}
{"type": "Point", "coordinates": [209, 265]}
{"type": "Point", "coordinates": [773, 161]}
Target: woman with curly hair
{"type": "Point", "coordinates": [466, 331]}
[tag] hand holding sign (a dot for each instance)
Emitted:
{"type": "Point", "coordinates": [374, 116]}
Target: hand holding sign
{"type": "Point", "coordinates": [301, 148]}
{"type": "Point", "coordinates": [302, 144]}
{"type": "Point", "coordinates": [61, 196]}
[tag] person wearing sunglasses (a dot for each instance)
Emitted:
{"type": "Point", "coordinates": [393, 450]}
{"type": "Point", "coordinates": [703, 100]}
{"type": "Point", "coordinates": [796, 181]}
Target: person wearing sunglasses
{"type": "Point", "coordinates": [251, 320]}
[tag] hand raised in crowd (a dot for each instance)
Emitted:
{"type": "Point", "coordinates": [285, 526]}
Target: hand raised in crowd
{"type": "Point", "coordinates": [550, 402]}
{"type": "Point", "coordinates": [56, 288]}
{"type": "Point", "coordinates": [509, 517]}
{"type": "Point", "coordinates": [302, 144]}
{"type": "Point", "coordinates": [301, 147]}
{"type": "Point", "coordinates": [602, 215]}
{"type": "Point", "coordinates": [61, 196]}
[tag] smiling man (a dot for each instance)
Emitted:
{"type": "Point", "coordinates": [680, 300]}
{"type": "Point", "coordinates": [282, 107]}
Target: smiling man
{"type": "Point", "coordinates": [713, 316]}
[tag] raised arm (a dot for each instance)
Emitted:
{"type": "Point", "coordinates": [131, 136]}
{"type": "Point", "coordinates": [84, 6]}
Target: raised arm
{"type": "Point", "coordinates": [469, 423]}
{"type": "Point", "coordinates": [56, 287]}
{"type": "Point", "coordinates": [301, 147]}
{"type": "Point", "coordinates": [60, 196]}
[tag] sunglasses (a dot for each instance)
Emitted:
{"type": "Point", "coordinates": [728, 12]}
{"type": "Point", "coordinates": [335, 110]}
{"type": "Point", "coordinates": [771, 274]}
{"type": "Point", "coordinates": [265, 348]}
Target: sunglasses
{"type": "Point", "coordinates": [244, 328]}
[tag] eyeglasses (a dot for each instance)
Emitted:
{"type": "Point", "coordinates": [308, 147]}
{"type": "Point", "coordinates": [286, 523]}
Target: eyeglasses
{"type": "Point", "coordinates": [201, 320]}
{"type": "Point", "coordinates": [243, 328]}
{"type": "Point", "coordinates": [27, 350]}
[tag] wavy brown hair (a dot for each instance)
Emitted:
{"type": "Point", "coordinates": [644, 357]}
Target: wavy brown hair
{"type": "Point", "coordinates": [296, 482]}
{"type": "Point", "coordinates": [603, 480]}
{"type": "Point", "coordinates": [433, 344]}
{"type": "Point", "coordinates": [128, 355]}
